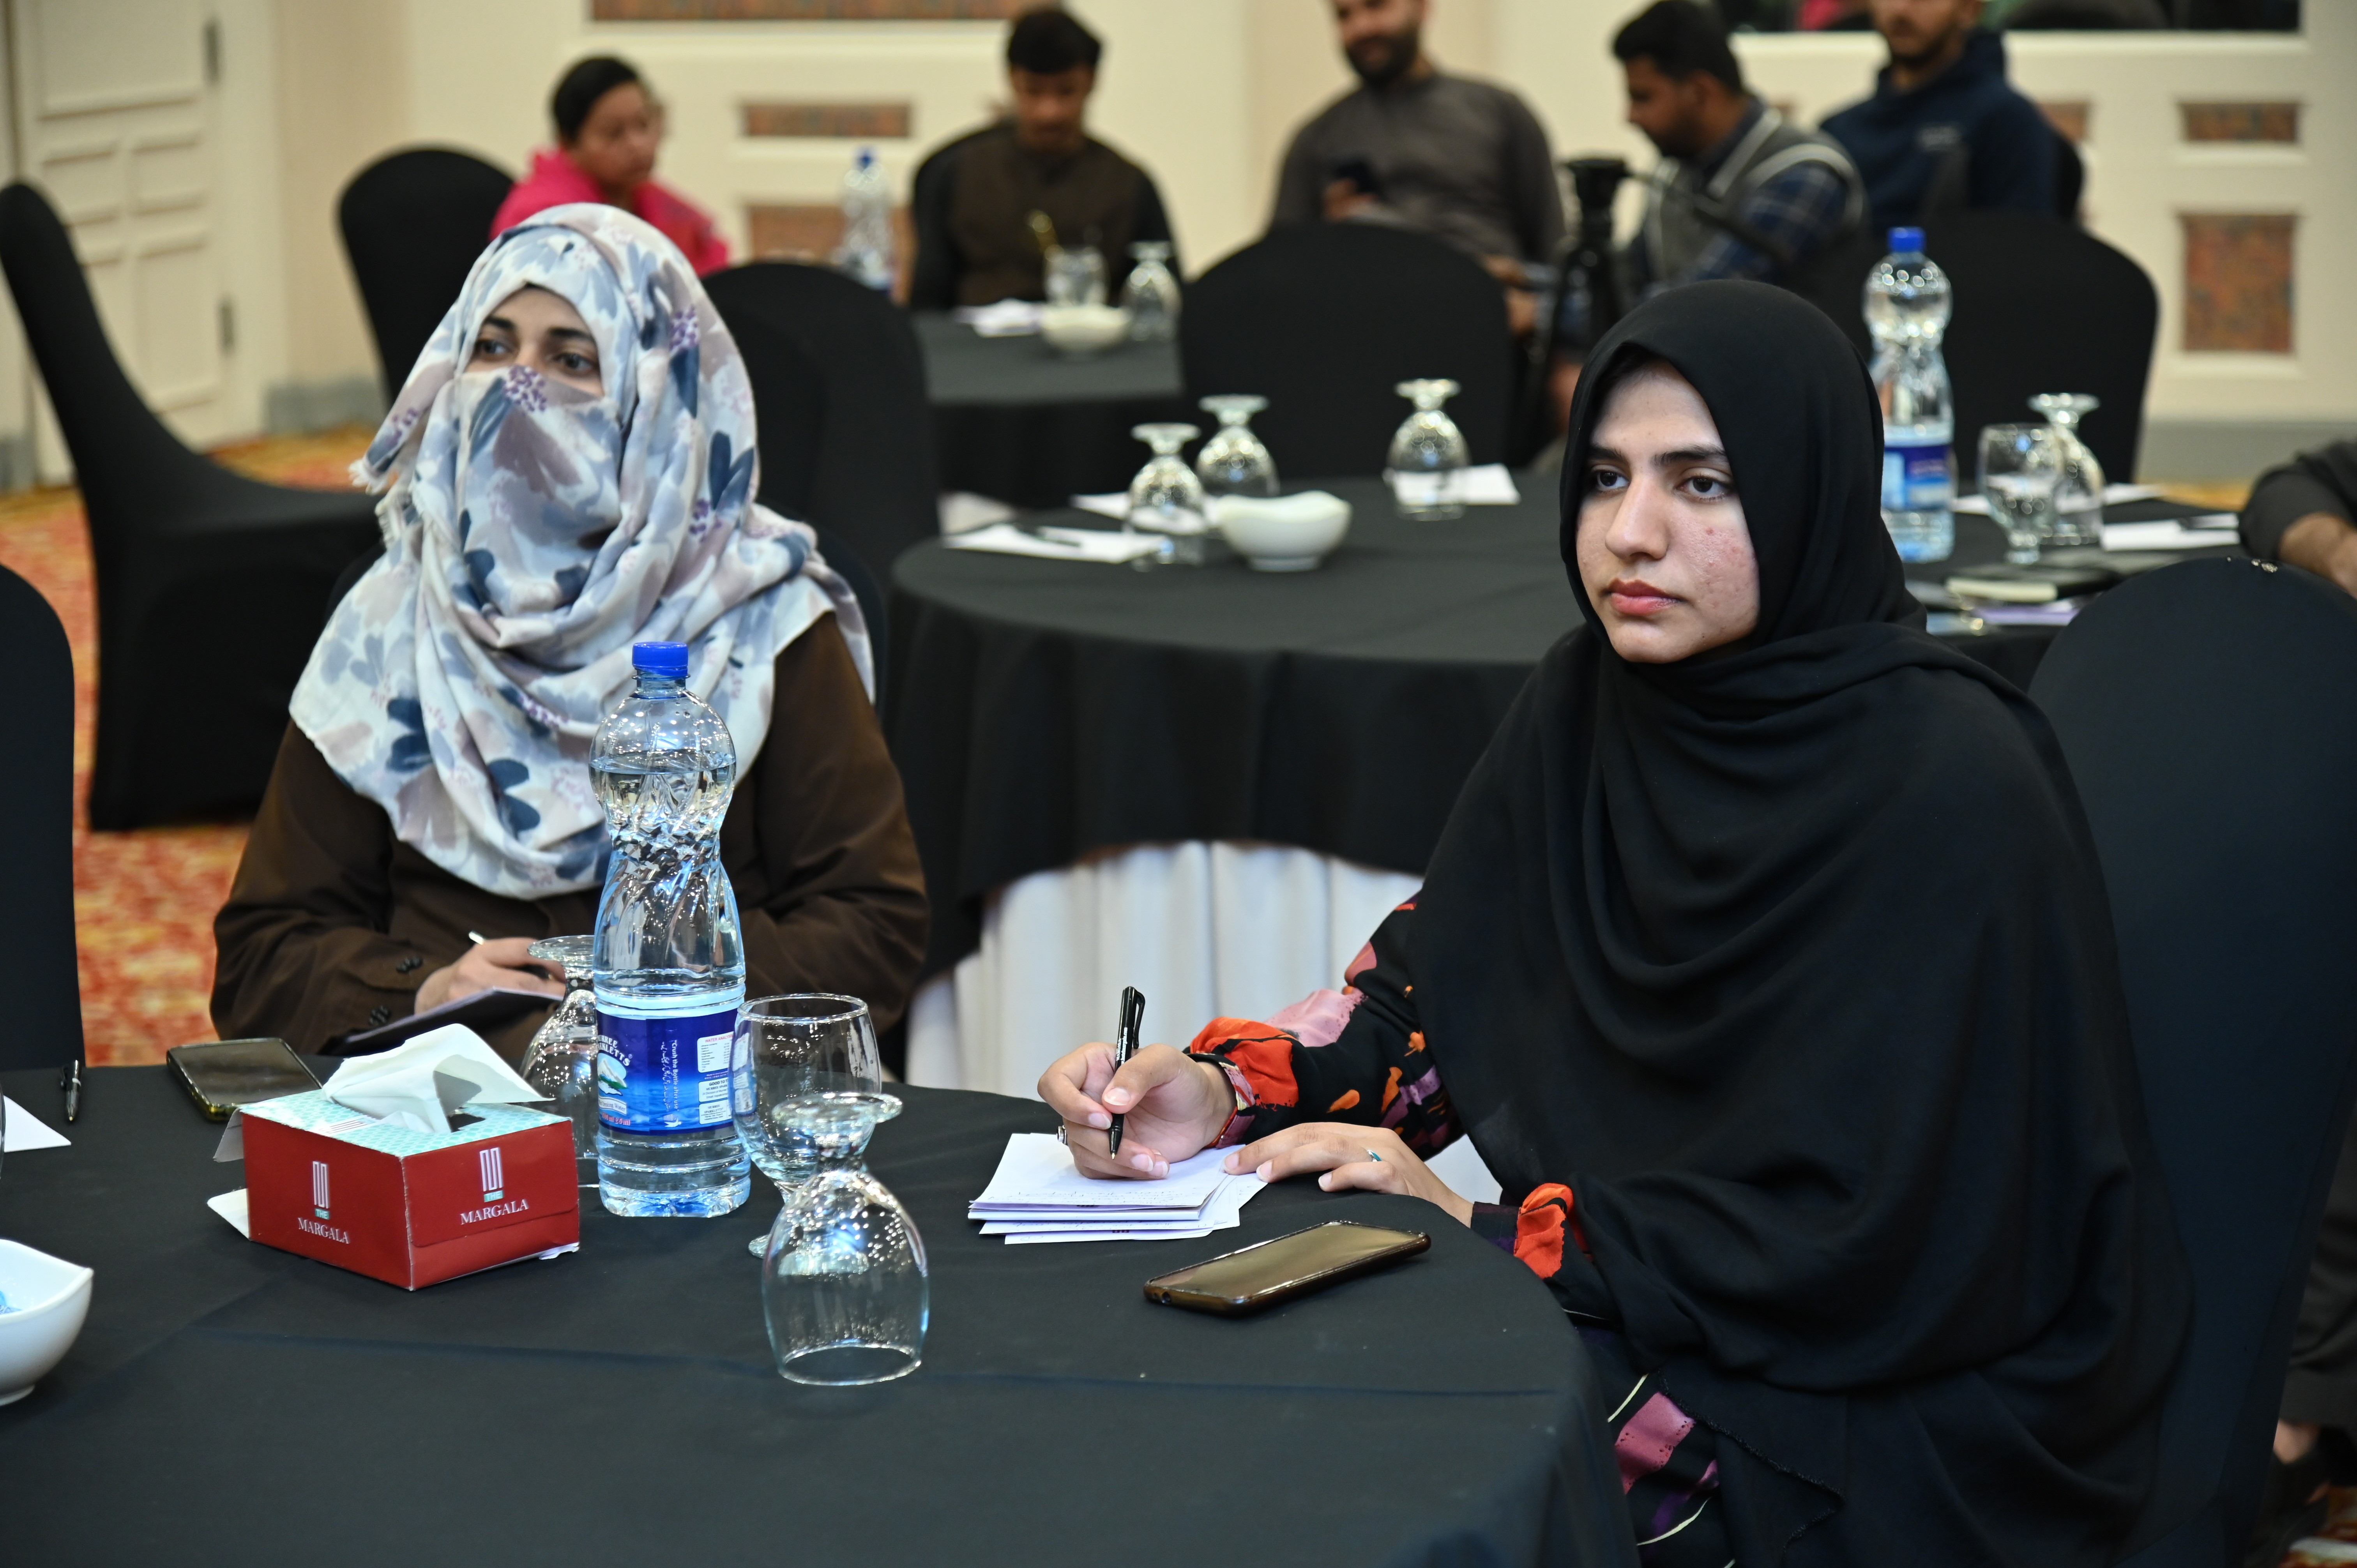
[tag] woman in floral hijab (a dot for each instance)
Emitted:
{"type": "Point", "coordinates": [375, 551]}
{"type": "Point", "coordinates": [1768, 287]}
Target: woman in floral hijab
{"type": "Point", "coordinates": [569, 470]}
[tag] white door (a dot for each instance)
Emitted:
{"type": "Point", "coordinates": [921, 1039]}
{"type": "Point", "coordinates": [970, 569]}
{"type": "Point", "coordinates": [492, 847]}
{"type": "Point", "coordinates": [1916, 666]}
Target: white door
{"type": "Point", "coordinates": [114, 121]}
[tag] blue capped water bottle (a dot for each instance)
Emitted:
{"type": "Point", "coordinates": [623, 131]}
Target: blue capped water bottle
{"type": "Point", "coordinates": [668, 960]}
{"type": "Point", "coordinates": [1907, 306]}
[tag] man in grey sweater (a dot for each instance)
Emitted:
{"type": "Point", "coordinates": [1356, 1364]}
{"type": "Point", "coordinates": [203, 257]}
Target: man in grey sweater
{"type": "Point", "coordinates": [1463, 160]}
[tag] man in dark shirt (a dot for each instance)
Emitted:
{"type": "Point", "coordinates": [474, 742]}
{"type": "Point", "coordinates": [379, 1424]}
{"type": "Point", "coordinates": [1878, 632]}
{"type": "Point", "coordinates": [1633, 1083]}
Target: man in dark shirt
{"type": "Point", "coordinates": [1462, 160]}
{"type": "Point", "coordinates": [974, 197]}
{"type": "Point", "coordinates": [1740, 192]}
{"type": "Point", "coordinates": [1944, 130]}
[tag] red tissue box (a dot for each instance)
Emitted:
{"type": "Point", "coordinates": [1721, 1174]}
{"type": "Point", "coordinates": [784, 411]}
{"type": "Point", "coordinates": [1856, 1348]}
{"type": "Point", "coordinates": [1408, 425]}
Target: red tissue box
{"type": "Point", "coordinates": [412, 1208]}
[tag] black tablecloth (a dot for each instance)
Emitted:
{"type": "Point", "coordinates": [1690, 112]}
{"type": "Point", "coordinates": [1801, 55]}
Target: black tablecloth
{"type": "Point", "coordinates": [1014, 419]}
{"type": "Point", "coordinates": [1047, 709]}
{"type": "Point", "coordinates": [227, 1402]}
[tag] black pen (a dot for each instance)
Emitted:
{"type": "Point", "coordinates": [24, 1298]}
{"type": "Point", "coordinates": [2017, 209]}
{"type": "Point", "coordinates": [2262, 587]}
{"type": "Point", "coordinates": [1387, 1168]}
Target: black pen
{"type": "Point", "coordinates": [72, 1084]}
{"type": "Point", "coordinates": [1124, 1045]}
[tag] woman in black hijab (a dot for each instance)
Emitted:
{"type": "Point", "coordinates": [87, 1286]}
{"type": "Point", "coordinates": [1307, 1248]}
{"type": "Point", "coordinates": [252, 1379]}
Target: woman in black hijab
{"type": "Point", "coordinates": [1767, 963]}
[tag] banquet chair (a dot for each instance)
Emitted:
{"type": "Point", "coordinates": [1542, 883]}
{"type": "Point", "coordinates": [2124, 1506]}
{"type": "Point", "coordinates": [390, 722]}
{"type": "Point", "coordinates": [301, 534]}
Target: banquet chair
{"type": "Point", "coordinates": [206, 580]}
{"type": "Point", "coordinates": [414, 222]}
{"type": "Point", "coordinates": [845, 431]}
{"type": "Point", "coordinates": [1326, 319]}
{"type": "Point", "coordinates": [37, 908]}
{"type": "Point", "coordinates": [2204, 711]}
{"type": "Point", "coordinates": [2041, 306]}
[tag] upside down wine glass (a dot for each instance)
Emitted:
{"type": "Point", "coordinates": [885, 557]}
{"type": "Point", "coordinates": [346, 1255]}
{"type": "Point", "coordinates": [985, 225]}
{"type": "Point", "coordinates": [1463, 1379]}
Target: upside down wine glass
{"type": "Point", "coordinates": [844, 1280]}
{"type": "Point", "coordinates": [2079, 497]}
{"type": "Point", "coordinates": [562, 1060]}
{"type": "Point", "coordinates": [788, 1050]}
{"type": "Point", "coordinates": [1429, 455]}
{"type": "Point", "coordinates": [1234, 462]}
{"type": "Point", "coordinates": [1166, 498]}
{"type": "Point", "coordinates": [1151, 294]}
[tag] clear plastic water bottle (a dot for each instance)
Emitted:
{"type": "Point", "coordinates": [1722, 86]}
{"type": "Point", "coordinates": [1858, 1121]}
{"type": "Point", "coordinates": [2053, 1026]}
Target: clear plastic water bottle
{"type": "Point", "coordinates": [867, 250]}
{"type": "Point", "coordinates": [667, 960]}
{"type": "Point", "coordinates": [1907, 309]}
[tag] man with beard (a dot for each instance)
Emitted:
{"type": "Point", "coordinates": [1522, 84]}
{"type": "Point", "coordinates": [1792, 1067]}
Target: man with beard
{"type": "Point", "coordinates": [975, 198]}
{"type": "Point", "coordinates": [1741, 192]}
{"type": "Point", "coordinates": [1463, 160]}
{"type": "Point", "coordinates": [1944, 130]}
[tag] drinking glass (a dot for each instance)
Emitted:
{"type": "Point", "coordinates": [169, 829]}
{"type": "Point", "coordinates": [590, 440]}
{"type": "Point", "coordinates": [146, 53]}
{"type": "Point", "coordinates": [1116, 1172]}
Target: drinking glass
{"type": "Point", "coordinates": [844, 1286]}
{"type": "Point", "coordinates": [1076, 275]}
{"type": "Point", "coordinates": [787, 1051]}
{"type": "Point", "coordinates": [1166, 498]}
{"type": "Point", "coordinates": [1151, 293]}
{"type": "Point", "coordinates": [2020, 466]}
{"type": "Point", "coordinates": [1234, 462]}
{"type": "Point", "coordinates": [1429, 455]}
{"type": "Point", "coordinates": [562, 1060]}
{"type": "Point", "coordinates": [2079, 498]}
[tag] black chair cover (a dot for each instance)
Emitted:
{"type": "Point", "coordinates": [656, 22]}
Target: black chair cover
{"type": "Point", "coordinates": [414, 223]}
{"type": "Point", "coordinates": [2041, 306]}
{"type": "Point", "coordinates": [2205, 710]}
{"type": "Point", "coordinates": [1326, 319]}
{"type": "Point", "coordinates": [846, 433]}
{"type": "Point", "coordinates": [37, 908]}
{"type": "Point", "coordinates": [209, 583]}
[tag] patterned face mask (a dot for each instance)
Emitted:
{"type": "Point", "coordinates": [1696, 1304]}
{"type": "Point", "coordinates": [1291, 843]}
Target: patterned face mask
{"type": "Point", "coordinates": [534, 533]}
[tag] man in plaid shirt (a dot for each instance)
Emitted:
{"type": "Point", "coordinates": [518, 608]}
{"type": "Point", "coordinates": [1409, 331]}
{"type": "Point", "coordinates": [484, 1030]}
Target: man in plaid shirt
{"type": "Point", "coordinates": [1740, 191]}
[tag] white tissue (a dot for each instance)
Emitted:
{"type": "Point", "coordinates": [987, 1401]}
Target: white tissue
{"type": "Point", "coordinates": [417, 1084]}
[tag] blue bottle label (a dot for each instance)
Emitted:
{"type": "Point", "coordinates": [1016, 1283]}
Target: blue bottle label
{"type": "Point", "coordinates": [664, 1070]}
{"type": "Point", "coordinates": [1917, 476]}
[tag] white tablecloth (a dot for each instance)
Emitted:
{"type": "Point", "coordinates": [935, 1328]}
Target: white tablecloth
{"type": "Point", "coordinates": [1205, 930]}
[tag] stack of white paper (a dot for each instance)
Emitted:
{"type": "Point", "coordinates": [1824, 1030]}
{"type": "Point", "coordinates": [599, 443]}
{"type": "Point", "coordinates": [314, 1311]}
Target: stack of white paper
{"type": "Point", "coordinates": [1036, 1195]}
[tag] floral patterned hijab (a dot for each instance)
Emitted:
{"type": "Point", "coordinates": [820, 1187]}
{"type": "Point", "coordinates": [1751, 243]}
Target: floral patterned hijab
{"type": "Point", "coordinates": [532, 533]}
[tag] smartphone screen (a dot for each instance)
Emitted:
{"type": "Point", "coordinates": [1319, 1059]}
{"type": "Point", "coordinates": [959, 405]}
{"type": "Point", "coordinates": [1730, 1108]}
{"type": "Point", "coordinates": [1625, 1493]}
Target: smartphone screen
{"type": "Point", "coordinates": [1288, 1266]}
{"type": "Point", "coordinates": [225, 1074]}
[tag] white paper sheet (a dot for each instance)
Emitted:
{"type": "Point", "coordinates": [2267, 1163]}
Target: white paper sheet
{"type": "Point", "coordinates": [2113, 495]}
{"type": "Point", "coordinates": [1099, 546]}
{"type": "Point", "coordinates": [1037, 1172]}
{"type": "Point", "coordinates": [232, 1207]}
{"type": "Point", "coordinates": [27, 1131]}
{"type": "Point", "coordinates": [2187, 533]}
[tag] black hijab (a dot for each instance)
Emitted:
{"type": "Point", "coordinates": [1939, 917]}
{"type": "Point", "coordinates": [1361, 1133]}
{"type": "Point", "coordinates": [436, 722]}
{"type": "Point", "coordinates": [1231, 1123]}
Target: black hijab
{"type": "Point", "coordinates": [1793, 962]}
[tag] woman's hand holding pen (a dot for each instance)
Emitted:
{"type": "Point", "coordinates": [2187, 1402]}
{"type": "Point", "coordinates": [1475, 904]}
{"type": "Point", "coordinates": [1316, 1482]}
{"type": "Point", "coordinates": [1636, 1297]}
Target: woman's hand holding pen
{"type": "Point", "coordinates": [506, 962]}
{"type": "Point", "coordinates": [1172, 1105]}
{"type": "Point", "coordinates": [1371, 1159]}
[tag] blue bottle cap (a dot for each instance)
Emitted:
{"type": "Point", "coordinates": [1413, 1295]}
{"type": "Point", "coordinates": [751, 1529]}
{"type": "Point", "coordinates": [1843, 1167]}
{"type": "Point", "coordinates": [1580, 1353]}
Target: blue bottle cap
{"type": "Point", "coordinates": [1906, 242]}
{"type": "Point", "coordinates": [663, 660]}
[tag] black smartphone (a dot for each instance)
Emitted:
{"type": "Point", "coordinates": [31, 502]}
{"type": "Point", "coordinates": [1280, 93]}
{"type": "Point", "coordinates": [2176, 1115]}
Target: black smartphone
{"type": "Point", "coordinates": [222, 1075]}
{"type": "Point", "coordinates": [1357, 171]}
{"type": "Point", "coordinates": [1252, 1278]}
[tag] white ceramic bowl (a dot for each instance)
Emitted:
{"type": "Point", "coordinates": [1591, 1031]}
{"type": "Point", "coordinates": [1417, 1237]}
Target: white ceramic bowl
{"type": "Point", "coordinates": [49, 1298]}
{"type": "Point", "coordinates": [1288, 533]}
{"type": "Point", "coordinates": [1084, 329]}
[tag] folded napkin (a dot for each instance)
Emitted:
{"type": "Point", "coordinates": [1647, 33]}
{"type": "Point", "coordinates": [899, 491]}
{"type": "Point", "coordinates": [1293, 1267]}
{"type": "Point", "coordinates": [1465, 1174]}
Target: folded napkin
{"type": "Point", "coordinates": [2173, 533]}
{"type": "Point", "coordinates": [1007, 318]}
{"type": "Point", "coordinates": [1058, 544]}
{"type": "Point", "coordinates": [419, 1084]}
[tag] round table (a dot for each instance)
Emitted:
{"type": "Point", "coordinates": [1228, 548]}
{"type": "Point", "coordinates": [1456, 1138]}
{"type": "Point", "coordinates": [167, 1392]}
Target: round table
{"type": "Point", "coordinates": [1016, 420]}
{"type": "Point", "coordinates": [227, 1402]}
{"type": "Point", "coordinates": [1042, 709]}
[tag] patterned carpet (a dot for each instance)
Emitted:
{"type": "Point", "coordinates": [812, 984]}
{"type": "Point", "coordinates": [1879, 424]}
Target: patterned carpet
{"type": "Point", "coordinates": [143, 901]}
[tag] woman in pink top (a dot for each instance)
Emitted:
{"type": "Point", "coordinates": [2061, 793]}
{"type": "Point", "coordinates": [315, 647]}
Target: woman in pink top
{"type": "Point", "coordinates": [607, 128]}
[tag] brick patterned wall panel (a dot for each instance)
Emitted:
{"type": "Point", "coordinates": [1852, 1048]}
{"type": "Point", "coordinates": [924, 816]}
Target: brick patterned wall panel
{"type": "Point", "coordinates": [809, 232]}
{"type": "Point", "coordinates": [2238, 281]}
{"type": "Point", "coordinates": [2241, 122]}
{"type": "Point", "coordinates": [2069, 117]}
{"type": "Point", "coordinates": [843, 122]}
{"type": "Point", "coordinates": [807, 10]}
